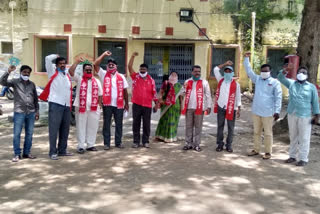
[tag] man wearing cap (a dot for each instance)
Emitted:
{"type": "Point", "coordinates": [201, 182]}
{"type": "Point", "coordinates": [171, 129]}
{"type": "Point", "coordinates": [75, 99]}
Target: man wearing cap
{"type": "Point", "coordinates": [303, 110]}
{"type": "Point", "coordinates": [227, 103]}
{"type": "Point", "coordinates": [197, 101]}
{"type": "Point", "coordinates": [266, 106]}
{"type": "Point", "coordinates": [115, 99]}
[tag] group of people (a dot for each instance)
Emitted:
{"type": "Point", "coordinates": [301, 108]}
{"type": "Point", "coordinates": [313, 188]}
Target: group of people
{"type": "Point", "coordinates": [193, 99]}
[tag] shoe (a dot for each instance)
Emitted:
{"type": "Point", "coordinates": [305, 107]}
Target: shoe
{"type": "Point", "coordinates": [186, 147]}
{"type": "Point", "coordinates": [301, 163]}
{"type": "Point", "coordinates": [229, 149]}
{"type": "Point", "coordinates": [92, 149]}
{"type": "Point", "coordinates": [219, 148]}
{"type": "Point", "coordinates": [106, 147]}
{"type": "Point", "coordinates": [66, 154]}
{"type": "Point", "coordinates": [253, 153]}
{"type": "Point", "coordinates": [120, 146]}
{"type": "Point", "coordinates": [146, 145]}
{"type": "Point", "coordinates": [197, 148]}
{"type": "Point", "coordinates": [290, 160]}
{"type": "Point", "coordinates": [266, 156]}
{"type": "Point", "coordinates": [81, 151]}
{"type": "Point", "coordinates": [54, 157]}
{"type": "Point", "coordinates": [29, 156]}
{"type": "Point", "coordinates": [135, 146]}
{"type": "Point", "coordinates": [16, 158]}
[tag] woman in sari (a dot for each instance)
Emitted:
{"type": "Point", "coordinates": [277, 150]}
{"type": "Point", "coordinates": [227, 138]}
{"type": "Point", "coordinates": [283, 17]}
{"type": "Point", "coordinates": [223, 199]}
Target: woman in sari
{"type": "Point", "coordinates": [170, 98]}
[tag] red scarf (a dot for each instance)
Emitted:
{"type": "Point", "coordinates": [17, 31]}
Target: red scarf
{"type": "Point", "coordinates": [83, 94]}
{"type": "Point", "coordinates": [107, 89]}
{"type": "Point", "coordinates": [45, 94]}
{"type": "Point", "coordinates": [199, 94]}
{"type": "Point", "coordinates": [231, 99]}
{"type": "Point", "coordinates": [171, 95]}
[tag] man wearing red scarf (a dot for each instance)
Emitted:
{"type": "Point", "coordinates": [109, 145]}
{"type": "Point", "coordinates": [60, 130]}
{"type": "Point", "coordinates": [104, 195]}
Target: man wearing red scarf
{"type": "Point", "coordinates": [115, 99]}
{"type": "Point", "coordinates": [197, 100]}
{"type": "Point", "coordinates": [88, 97]}
{"type": "Point", "coordinates": [143, 93]}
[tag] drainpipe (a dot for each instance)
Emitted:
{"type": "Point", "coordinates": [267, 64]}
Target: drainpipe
{"type": "Point", "coordinates": [12, 5]}
{"type": "Point", "coordinates": [253, 32]}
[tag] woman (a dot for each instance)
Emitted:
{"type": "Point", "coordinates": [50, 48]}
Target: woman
{"type": "Point", "coordinates": [170, 100]}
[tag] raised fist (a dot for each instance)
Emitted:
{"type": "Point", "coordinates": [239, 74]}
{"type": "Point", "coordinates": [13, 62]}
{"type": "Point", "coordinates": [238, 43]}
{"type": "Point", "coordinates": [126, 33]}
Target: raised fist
{"type": "Point", "coordinates": [107, 53]}
{"type": "Point", "coordinates": [135, 54]}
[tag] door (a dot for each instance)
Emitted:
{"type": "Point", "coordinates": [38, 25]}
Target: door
{"type": "Point", "coordinates": [276, 60]}
{"type": "Point", "coordinates": [221, 55]}
{"type": "Point", "coordinates": [53, 46]}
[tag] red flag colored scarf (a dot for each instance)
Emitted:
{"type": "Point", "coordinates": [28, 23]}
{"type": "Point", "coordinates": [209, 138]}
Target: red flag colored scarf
{"type": "Point", "coordinates": [171, 95]}
{"type": "Point", "coordinates": [107, 89]}
{"type": "Point", "coordinates": [83, 94]}
{"type": "Point", "coordinates": [231, 99]}
{"type": "Point", "coordinates": [199, 94]}
{"type": "Point", "coordinates": [45, 94]}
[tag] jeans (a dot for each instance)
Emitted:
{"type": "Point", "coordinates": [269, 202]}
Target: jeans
{"type": "Point", "coordinates": [20, 120]}
{"type": "Point", "coordinates": [138, 113]}
{"type": "Point", "coordinates": [221, 120]}
{"type": "Point", "coordinates": [108, 111]}
{"type": "Point", "coordinates": [59, 122]}
{"type": "Point", "coordinates": [3, 91]}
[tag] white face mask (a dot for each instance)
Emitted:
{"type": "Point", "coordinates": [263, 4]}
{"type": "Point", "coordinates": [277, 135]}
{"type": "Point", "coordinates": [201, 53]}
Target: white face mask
{"type": "Point", "coordinates": [302, 77]}
{"type": "Point", "coordinates": [265, 75]}
{"type": "Point", "coordinates": [25, 78]}
{"type": "Point", "coordinates": [143, 75]}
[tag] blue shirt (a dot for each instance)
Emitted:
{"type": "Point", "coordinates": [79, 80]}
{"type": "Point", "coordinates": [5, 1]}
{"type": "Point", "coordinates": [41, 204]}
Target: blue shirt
{"type": "Point", "coordinates": [267, 94]}
{"type": "Point", "coordinates": [303, 98]}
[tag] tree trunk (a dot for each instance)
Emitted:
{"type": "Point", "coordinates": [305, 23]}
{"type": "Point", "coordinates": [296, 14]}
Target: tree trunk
{"type": "Point", "coordinates": [309, 38]}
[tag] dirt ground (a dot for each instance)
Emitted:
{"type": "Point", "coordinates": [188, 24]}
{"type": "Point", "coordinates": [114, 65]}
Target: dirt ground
{"type": "Point", "coordinates": [162, 179]}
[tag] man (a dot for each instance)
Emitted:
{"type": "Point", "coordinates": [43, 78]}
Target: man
{"type": "Point", "coordinates": [58, 92]}
{"type": "Point", "coordinates": [266, 106]}
{"type": "Point", "coordinates": [228, 103]}
{"type": "Point", "coordinates": [115, 99]}
{"type": "Point", "coordinates": [303, 103]}
{"type": "Point", "coordinates": [88, 98]}
{"type": "Point", "coordinates": [143, 93]}
{"type": "Point", "coordinates": [26, 109]}
{"type": "Point", "coordinates": [197, 100]}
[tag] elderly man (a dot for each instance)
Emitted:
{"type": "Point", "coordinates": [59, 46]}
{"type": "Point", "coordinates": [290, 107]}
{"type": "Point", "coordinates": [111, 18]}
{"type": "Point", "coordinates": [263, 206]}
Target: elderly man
{"type": "Point", "coordinates": [58, 92]}
{"type": "Point", "coordinates": [143, 93]}
{"type": "Point", "coordinates": [26, 109]}
{"type": "Point", "coordinates": [303, 103]}
{"type": "Point", "coordinates": [88, 98]}
{"type": "Point", "coordinates": [115, 99]}
{"type": "Point", "coordinates": [266, 106]}
{"type": "Point", "coordinates": [228, 103]}
{"type": "Point", "coordinates": [197, 101]}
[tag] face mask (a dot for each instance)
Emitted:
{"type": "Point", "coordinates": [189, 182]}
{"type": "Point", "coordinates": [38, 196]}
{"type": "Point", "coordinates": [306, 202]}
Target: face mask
{"type": "Point", "coordinates": [265, 75]}
{"type": "Point", "coordinates": [87, 76]}
{"type": "Point", "coordinates": [302, 77]}
{"type": "Point", "coordinates": [112, 70]}
{"type": "Point", "coordinates": [173, 79]}
{"type": "Point", "coordinates": [143, 75]}
{"type": "Point", "coordinates": [195, 78]}
{"type": "Point", "coordinates": [228, 77]}
{"type": "Point", "coordinates": [60, 70]}
{"type": "Point", "coordinates": [25, 78]}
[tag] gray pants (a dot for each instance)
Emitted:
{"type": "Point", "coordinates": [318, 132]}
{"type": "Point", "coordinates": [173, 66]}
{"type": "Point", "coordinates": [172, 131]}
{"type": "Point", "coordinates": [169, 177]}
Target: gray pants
{"type": "Point", "coordinates": [221, 120]}
{"type": "Point", "coordinates": [59, 122]}
{"type": "Point", "coordinates": [193, 128]}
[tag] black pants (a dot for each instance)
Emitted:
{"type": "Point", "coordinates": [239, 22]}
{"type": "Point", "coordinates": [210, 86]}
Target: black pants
{"type": "Point", "coordinates": [221, 120]}
{"type": "Point", "coordinates": [138, 113]}
{"type": "Point", "coordinates": [59, 122]}
{"type": "Point", "coordinates": [108, 111]}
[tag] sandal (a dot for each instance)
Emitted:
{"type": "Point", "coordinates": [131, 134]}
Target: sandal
{"type": "Point", "coordinates": [253, 153]}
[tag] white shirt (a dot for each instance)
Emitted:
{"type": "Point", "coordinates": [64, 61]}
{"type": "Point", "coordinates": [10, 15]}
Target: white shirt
{"type": "Point", "coordinates": [207, 100]}
{"type": "Point", "coordinates": [114, 92]}
{"type": "Point", "coordinates": [78, 78]}
{"type": "Point", "coordinates": [224, 91]}
{"type": "Point", "coordinates": [60, 86]}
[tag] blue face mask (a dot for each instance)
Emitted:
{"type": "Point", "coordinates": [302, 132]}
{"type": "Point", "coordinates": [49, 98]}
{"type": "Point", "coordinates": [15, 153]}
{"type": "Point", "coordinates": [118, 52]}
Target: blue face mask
{"type": "Point", "coordinates": [195, 78]}
{"type": "Point", "coordinates": [60, 70]}
{"type": "Point", "coordinates": [228, 77]}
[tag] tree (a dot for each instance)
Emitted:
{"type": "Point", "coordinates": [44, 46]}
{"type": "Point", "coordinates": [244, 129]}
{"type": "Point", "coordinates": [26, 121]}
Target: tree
{"type": "Point", "coordinates": [309, 38]}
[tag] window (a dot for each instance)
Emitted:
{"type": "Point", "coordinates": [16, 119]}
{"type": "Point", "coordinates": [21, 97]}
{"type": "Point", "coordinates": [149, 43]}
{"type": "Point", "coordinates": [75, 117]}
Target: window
{"type": "Point", "coordinates": [6, 48]}
{"type": "Point", "coordinates": [220, 56]}
{"type": "Point", "coordinates": [52, 46]}
{"type": "Point", "coordinates": [118, 50]}
{"type": "Point", "coordinates": [276, 60]}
